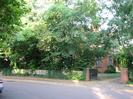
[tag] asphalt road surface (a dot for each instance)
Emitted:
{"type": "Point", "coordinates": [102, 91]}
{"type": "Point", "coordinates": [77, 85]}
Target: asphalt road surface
{"type": "Point", "coordinates": [28, 90]}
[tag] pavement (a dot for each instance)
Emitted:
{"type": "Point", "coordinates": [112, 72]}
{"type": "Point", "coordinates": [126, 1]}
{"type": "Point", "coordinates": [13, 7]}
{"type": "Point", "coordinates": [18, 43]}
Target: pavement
{"type": "Point", "coordinates": [34, 88]}
{"type": "Point", "coordinates": [115, 80]}
{"type": "Point", "coordinates": [39, 88]}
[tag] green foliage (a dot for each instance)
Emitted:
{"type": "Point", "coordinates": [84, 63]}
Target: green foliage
{"type": "Point", "coordinates": [76, 75]}
{"type": "Point", "coordinates": [69, 39]}
{"type": "Point", "coordinates": [122, 31]}
{"type": "Point", "coordinates": [63, 38]}
{"type": "Point", "coordinates": [130, 65]}
{"type": "Point", "coordinates": [7, 71]}
{"type": "Point", "coordinates": [122, 58]}
{"type": "Point", "coordinates": [10, 14]}
{"type": "Point", "coordinates": [121, 24]}
{"type": "Point", "coordinates": [24, 50]}
{"type": "Point", "coordinates": [111, 69]}
{"type": "Point", "coordinates": [131, 74]}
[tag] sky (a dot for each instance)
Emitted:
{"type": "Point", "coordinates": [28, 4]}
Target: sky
{"type": "Point", "coordinates": [105, 13]}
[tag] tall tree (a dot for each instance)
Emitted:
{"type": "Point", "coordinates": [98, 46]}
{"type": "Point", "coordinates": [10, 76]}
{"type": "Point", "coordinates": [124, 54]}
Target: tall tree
{"type": "Point", "coordinates": [121, 24]}
{"type": "Point", "coordinates": [71, 35]}
{"type": "Point", "coordinates": [10, 14]}
{"type": "Point", "coordinates": [122, 30]}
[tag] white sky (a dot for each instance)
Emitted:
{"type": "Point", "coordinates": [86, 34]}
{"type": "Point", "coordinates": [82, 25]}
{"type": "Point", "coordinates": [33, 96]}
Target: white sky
{"type": "Point", "coordinates": [106, 14]}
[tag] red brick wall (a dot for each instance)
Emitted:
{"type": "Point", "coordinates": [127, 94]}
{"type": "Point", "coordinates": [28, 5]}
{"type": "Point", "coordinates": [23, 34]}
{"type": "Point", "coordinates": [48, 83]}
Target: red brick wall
{"type": "Point", "coordinates": [103, 65]}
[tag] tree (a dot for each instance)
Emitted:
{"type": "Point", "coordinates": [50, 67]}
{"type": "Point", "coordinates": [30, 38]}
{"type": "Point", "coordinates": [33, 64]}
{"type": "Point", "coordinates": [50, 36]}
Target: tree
{"type": "Point", "coordinates": [25, 52]}
{"type": "Point", "coordinates": [11, 12]}
{"type": "Point", "coordinates": [71, 37]}
{"type": "Point", "coordinates": [121, 24]}
{"type": "Point", "coordinates": [64, 37]}
{"type": "Point", "coordinates": [121, 29]}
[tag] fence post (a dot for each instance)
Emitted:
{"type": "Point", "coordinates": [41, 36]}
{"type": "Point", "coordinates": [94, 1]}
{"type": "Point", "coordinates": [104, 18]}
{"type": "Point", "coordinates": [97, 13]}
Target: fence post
{"type": "Point", "coordinates": [124, 75]}
{"type": "Point", "coordinates": [88, 74]}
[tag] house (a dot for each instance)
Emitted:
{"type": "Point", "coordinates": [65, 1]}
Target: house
{"type": "Point", "coordinates": [103, 63]}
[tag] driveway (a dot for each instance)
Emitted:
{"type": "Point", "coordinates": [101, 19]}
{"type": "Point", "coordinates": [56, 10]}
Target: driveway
{"type": "Point", "coordinates": [50, 90]}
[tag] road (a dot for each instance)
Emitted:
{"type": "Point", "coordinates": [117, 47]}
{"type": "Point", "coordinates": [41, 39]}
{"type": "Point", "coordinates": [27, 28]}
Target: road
{"type": "Point", "coordinates": [102, 90]}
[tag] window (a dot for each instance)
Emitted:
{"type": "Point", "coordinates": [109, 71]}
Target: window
{"type": "Point", "coordinates": [110, 60]}
{"type": "Point", "coordinates": [98, 62]}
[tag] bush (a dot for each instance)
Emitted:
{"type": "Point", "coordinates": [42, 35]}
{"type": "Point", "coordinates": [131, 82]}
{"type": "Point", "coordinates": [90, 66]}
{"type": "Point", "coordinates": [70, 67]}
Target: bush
{"type": "Point", "coordinates": [76, 75]}
{"type": "Point", "coordinates": [111, 69]}
{"type": "Point", "coordinates": [131, 75]}
{"type": "Point", "coordinates": [7, 71]}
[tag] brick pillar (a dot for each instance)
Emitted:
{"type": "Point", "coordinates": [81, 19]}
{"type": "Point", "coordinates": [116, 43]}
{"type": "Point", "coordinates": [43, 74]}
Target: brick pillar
{"type": "Point", "coordinates": [124, 75]}
{"type": "Point", "coordinates": [87, 74]}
